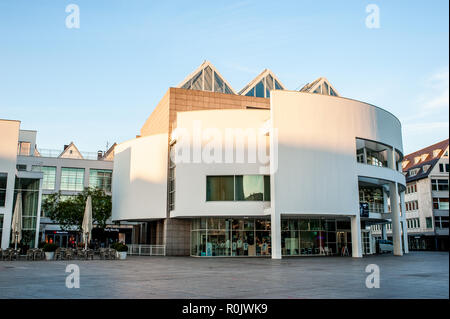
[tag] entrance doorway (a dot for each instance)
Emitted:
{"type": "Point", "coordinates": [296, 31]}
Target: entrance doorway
{"type": "Point", "coordinates": [343, 242]}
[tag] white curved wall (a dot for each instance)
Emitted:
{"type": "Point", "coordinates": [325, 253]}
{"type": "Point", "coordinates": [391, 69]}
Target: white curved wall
{"type": "Point", "coordinates": [139, 183]}
{"type": "Point", "coordinates": [316, 166]}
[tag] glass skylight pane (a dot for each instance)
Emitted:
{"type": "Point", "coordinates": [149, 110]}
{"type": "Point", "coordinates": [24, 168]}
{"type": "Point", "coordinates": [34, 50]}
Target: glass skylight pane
{"type": "Point", "coordinates": [267, 93]}
{"type": "Point", "coordinates": [318, 90]}
{"type": "Point", "coordinates": [251, 92]}
{"type": "Point", "coordinates": [277, 85]}
{"type": "Point", "coordinates": [187, 85]}
{"type": "Point", "coordinates": [325, 88]}
{"type": "Point", "coordinates": [228, 90]}
{"type": "Point", "coordinates": [259, 89]}
{"type": "Point", "coordinates": [197, 81]}
{"type": "Point", "coordinates": [332, 92]}
{"type": "Point", "coordinates": [207, 72]}
{"type": "Point", "coordinates": [218, 83]}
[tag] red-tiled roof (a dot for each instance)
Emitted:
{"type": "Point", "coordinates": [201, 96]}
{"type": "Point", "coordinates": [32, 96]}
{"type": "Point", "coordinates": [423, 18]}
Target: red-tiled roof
{"type": "Point", "coordinates": [427, 150]}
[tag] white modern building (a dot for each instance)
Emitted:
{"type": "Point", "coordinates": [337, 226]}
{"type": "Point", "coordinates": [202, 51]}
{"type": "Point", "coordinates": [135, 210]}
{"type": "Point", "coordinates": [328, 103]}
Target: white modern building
{"type": "Point", "coordinates": [262, 172]}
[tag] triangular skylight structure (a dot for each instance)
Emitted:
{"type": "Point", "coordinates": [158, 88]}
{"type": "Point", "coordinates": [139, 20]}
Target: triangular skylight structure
{"type": "Point", "coordinates": [206, 78]}
{"type": "Point", "coordinates": [262, 85]}
{"type": "Point", "coordinates": [320, 86]}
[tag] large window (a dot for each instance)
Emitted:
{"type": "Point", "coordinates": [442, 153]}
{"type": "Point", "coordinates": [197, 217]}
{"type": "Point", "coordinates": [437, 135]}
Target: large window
{"type": "Point", "coordinates": [49, 179]}
{"type": "Point", "coordinates": [439, 184]}
{"type": "Point", "coordinates": [372, 153]}
{"type": "Point", "coordinates": [24, 148]}
{"type": "Point", "coordinates": [238, 188]}
{"type": "Point", "coordinates": [249, 187]}
{"type": "Point", "coordinates": [3, 180]}
{"type": "Point", "coordinates": [100, 178]}
{"type": "Point", "coordinates": [220, 188]}
{"type": "Point", "coordinates": [429, 222]}
{"type": "Point", "coordinates": [72, 179]}
{"type": "Point", "coordinates": [440, 203]}
{"type": "Point", "coordinates": [172, 168]}
{"type": "Point", "coordinates": [441, 221]}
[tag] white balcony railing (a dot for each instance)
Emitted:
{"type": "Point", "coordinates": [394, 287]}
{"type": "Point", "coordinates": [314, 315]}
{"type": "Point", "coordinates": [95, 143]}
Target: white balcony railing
{"type": "Point", "coordinates": [147, 250]}
{"type": "Point", "coordinates": [376, 208]}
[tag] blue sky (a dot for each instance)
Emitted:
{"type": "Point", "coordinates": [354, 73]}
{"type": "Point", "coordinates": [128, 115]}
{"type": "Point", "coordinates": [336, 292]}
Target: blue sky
{"type": "Point", "coordinates": [99, 83]}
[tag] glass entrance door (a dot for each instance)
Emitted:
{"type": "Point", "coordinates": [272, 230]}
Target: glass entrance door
{"type": "Point", "coordinates": [365, 237]}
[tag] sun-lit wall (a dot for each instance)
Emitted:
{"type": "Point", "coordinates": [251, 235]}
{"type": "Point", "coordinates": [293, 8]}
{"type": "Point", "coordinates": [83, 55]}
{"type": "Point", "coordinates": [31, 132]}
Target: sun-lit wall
{"type": "Point", "coordinates": [190, 182]}
{"type": "Point", "coordinates": [139, 189]}
{"type": "Point", "coordinates": [9, 136]}
{"type": "Point", "coordinates": [316, 167]}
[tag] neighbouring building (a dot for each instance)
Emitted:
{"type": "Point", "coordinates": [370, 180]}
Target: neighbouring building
{"type": "Point", "coordinates": [36, 173]}
{"type": "Point", "coordinates": [263, 171]}
{"type": "Point", "coordinates": [69, 172]}
{"type": "Point", "coordinates": [427, 195]}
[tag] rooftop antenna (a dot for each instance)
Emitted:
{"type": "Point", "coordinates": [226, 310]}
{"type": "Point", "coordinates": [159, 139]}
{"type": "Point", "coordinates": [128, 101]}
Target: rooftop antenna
{"type": "Point", "coordinates": [107, 145]}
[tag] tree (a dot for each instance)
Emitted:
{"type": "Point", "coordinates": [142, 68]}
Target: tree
{"type": "Point", "coordinates": [68, 213]}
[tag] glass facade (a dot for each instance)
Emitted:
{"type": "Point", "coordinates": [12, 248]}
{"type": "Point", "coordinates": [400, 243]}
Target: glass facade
{"type": "Point", "coordinates": [100, 178]}
{"type": "Point", "coordinates": [373, 196]}
{"type": "Point", "coordinates": [30, 197]}
{"type": "Point", "coordinates": [72, 179]}
{"type": "Point", "coordinates": [308, 237]}
{"type": "Point", "coordinates": [3, 181]}
{"type": "Point", "coordinates": [49, 179]}
{"type": "Point", "coordinates": [230, 237]}
{"type": "Point", "coordinates": [252, 237]}
{"type": "Point", "coordinates": [171, 190]}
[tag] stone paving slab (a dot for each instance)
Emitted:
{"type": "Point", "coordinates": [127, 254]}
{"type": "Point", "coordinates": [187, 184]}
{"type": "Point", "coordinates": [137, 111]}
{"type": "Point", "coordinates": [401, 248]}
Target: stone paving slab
{"type": "Point", "coordinates": [416, 275]}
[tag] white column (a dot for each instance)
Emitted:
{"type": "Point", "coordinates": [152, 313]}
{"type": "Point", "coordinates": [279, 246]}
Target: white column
{"type": "Point", "coordinates": [391, 158]}
{"type": "Point", "coordinates": [365, 155]}
{"type": "Point", "coordinates": [276, 234]}
{"type": "Point", "coordinates": [404, 224]}
{"type": "Point", "coordinates": [8, 210]}
{"type": "Point", "coordinates": [386, 211]}
{"type": "Point", "coordinates": [395, 217]}
{"type": "Point", "coordinates": [6, 231]}
{"type": "Point", "coordinates": [356, 236]}
{"type": "Point", "coordinates": [383, 231]}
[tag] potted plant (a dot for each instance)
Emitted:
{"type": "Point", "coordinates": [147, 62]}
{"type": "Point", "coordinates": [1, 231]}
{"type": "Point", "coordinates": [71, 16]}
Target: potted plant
{"type": "Point", "coordinates": [121, 250]}
{"type": "Point", "coordinates": [49, 250]}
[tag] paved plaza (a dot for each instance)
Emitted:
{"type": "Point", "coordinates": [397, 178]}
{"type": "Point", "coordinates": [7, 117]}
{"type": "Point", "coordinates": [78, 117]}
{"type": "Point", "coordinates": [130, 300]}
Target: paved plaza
{"type": "Point", "coordinates": [416, 275]}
